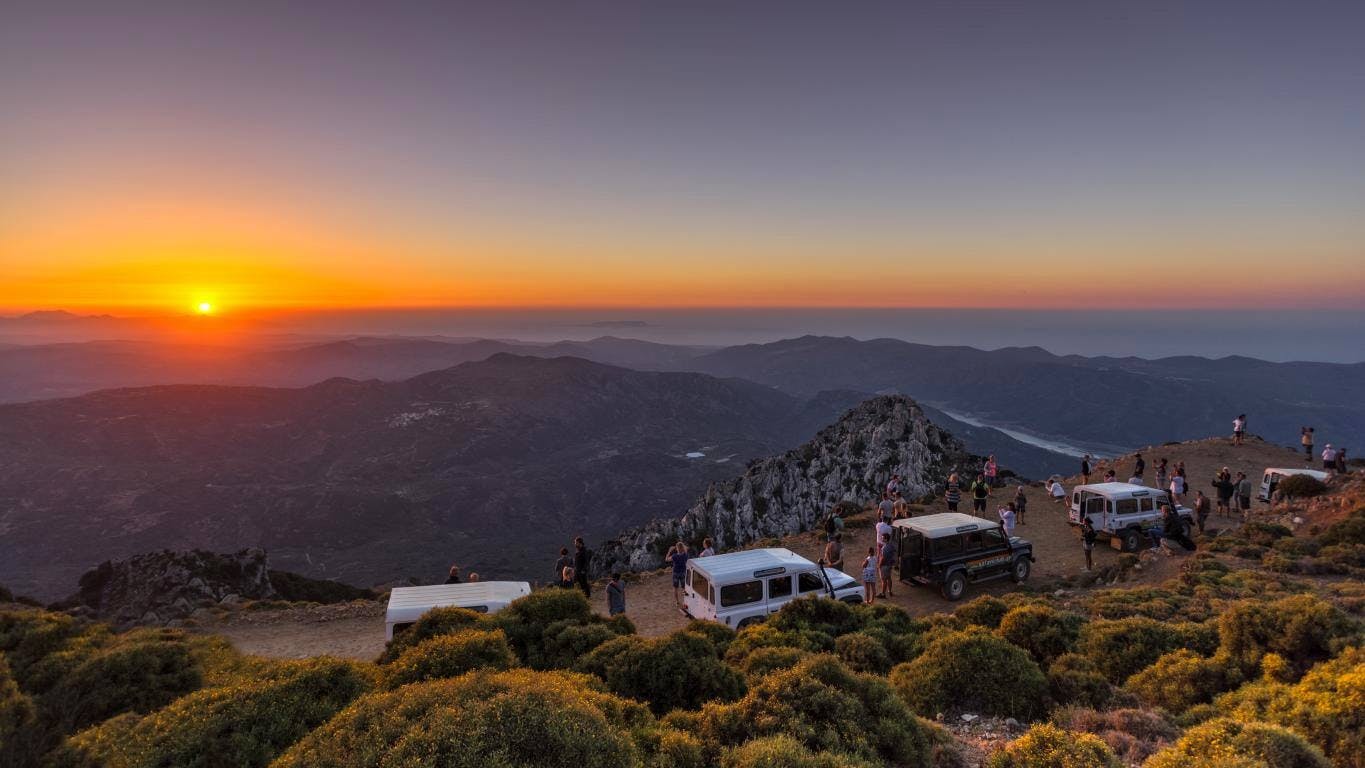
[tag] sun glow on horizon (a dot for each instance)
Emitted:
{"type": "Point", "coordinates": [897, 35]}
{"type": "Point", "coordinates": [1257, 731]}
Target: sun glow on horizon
{"type": "Point", "coordinates": [204, 308]}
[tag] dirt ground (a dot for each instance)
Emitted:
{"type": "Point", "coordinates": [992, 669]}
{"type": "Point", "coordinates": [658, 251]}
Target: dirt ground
{"type": "Point", "coordinates": [359, 633]}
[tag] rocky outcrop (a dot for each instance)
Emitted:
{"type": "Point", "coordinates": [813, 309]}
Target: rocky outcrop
{"type": "Point", "coordinates": [849, 462]}
{"type": "Point", "coordinates": [157, 587]}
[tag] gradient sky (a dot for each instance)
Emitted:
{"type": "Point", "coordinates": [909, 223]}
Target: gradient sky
{"type": "Point", "coordinates": [1006, 154]}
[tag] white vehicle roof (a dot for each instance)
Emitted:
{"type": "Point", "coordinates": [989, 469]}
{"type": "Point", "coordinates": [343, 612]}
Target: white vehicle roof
{"type": "Point", "coordinates": [1317, 473]}
{"type": "Point", "coordinates": [944, 524]}
{"type": "Point", "coordinates": [749, 564]}
{"type": "Point", "coordinates": [1118, 489]}
{"type": "Point", "coordinates": [407, 604]}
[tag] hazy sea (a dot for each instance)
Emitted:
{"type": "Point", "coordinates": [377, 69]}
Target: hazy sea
{"type": "Point", "coordinates": [1278, 335]}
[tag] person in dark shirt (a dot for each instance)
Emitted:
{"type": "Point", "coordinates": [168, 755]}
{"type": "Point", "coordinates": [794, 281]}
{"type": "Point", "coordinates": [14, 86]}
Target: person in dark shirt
{"type": "Point", "coordinates": [564, 561]}
{"type": "Point", "coordinates": [1222, 483]}
{"type": "Point", "coordinates": [581, 559]}
{"type": "Point", "coordinates": [1139, 465]}
{"type": "Point", "coordinates": [453, 577]}
{"type": "Point", "coordinates": [980, 491]}
{"type": "Point", "coordinates": [1201, 509]}
{"type": "Point", "coordinates": [616, 595]}
{"type": "Point", "coordinates": [678, 559]}
{"type": "Point", "coordinates": [1085, 469]}
{"type": "Point", "coordinates": [566, 578]}
{"type": "Point", "coordinates": [1088, 541]}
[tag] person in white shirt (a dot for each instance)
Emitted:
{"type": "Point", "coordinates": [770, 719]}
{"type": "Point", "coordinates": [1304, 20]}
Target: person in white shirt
{"type": "Point", "coordinates": [1178, 489]}
{"type": "Point", "coordinates": [1329, 458]}
{"type": "Point", "coordinates": [883, 529]}
{"type": "Point", "coordinates": [1135, 480]}
{"type": "Point", "coordinates": [1054, 487]}
{"type": "Point", "coordinates": [706, 549]}
{"type": "Point", "coordinates": [1006, 514]}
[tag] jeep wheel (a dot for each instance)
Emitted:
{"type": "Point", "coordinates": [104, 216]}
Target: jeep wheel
{"type": "Point", "coordinates": [749, 622]}
{"type": "Point", "coordinates": [854, 600]}
{"type": "Point", "coordinates": [1021, 568]}
{"type": "Point", "coordinates": [955, 586]}
{"type": "Point", "coordinates": [1132, 540]}
{"type": "Point", "coordinates": [1186, 529]}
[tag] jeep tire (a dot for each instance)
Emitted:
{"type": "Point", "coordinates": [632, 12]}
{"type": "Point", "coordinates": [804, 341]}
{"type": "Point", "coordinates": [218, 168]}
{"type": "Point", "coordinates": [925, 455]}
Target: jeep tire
{"type": "Point", "coordinates": [955, 586]}
{"type": "Point", "coordinates": [1132, 539]}
{"type": "Point", "coordinates": [1019, 572]}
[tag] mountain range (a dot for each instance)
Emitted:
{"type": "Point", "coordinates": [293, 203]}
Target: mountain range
{"type": "Point", "coordinates": [491, 464]}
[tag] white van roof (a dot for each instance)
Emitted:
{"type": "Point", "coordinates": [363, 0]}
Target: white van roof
{"type": "Point", "coordinates": [1288, 472]}
{"type": "Point", "coordinates": [944, 524]}
{"type": "Point", "coordinates": [407, 604]}
{"type": "Point", "coordinates": [1118, 489]}
{"type": "Point", "coordinates": [749, 564]}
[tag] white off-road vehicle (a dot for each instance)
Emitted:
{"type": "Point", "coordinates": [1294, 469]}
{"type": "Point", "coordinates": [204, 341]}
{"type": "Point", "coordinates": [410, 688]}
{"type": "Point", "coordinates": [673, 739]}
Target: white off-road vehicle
{"type": "Point", "coordinates": [741, 588]}
{"type": "Point", "coordinates": [1124, 511]}
{"type": "Point", "coordinates": [1273, 476]}
{"type": "Point", "coordinates": [408, 604]}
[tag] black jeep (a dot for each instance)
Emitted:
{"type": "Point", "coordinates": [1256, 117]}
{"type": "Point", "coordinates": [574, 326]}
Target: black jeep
{"type": "Point", "coordinates": [951, 549]}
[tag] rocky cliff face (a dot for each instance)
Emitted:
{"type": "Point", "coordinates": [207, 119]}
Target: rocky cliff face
{"type": "Point", "coordinates": [849, 461]}
{"type": "Point", "coordinates": [153, 588]}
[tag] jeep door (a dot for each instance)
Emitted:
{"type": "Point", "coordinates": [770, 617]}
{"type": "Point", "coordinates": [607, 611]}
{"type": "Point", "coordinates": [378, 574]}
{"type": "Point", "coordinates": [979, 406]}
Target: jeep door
{"type": "Point", "coordinates": [779, 589]}
{"type": "Point", "coordinates": [912, 555]}
{"type": "Point", "coordinates": [987, 553]}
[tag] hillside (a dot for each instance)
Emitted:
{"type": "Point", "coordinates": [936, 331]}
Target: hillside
{"type": "Point", "coordinates": [491, 464]}
{"type": "Point", "coordinates": [1249, 650]}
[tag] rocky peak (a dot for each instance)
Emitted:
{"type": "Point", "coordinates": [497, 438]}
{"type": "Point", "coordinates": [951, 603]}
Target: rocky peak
{"type": "Point", "coordinates": [154, 587]}
{"type": "Point", "coordinates": [847, 462]}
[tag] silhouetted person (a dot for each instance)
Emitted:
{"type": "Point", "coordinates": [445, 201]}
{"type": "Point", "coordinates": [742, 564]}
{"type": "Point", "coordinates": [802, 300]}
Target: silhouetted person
{"type": "Point", "coordinates": [453, 577]}
{"type": "Point", "coordinates": [616, 595]}
{"type": "Point", "coordinates": [581, 559]}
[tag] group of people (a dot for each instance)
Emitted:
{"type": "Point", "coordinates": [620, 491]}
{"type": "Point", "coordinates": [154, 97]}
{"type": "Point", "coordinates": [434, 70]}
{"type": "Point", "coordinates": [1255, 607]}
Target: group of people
{"type": "Point", "coordinates": [1333, 459]}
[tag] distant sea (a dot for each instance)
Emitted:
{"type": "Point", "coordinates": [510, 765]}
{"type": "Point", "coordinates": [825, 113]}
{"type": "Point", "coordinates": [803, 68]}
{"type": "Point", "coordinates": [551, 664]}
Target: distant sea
{"type": "Point", "coordinates": [1278, 335]}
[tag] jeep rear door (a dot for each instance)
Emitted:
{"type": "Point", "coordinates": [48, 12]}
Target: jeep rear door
{"type": "Point", "coordinates": [779, 592]}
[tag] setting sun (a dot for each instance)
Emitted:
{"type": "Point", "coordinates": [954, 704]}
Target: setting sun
{"type": "Point", "coordinates": [205, 308]}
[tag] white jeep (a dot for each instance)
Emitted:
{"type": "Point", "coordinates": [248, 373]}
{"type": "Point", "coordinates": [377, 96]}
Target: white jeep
{"type": "Point", "coordinates": [408, 604]}
{"type": "Point", "coordinates": [742, 588]}
{"type": "Point", "coordinates": [1124, 511]}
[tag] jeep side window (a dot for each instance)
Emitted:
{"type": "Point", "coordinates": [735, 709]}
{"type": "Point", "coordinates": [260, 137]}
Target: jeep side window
{"type": "Point", "coordinates": [948, 545]}
{"type": "Point", "coordinates": [1126, 507]}
{"type": "Point", "coordinates": [992, 538]}
{"type": "Point", "coordinates": [780, 586]}
{"type": "Point", "coordinates": [741, 593]}
{"type": "Point", "coordinates": [809, 582]}
{"type": "Point", "coordinates": [701, 586]}
{"type": "Point", "coordinates": [1148, 504]}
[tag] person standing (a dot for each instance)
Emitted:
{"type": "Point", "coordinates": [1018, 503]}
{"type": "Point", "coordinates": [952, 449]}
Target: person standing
{"type": "Point", "coordinates": [884, 529]}
{"type": "Point", "coordinates": [992, 470]}
{"type": "Point", "coordinates": [886, 558]}
{"type": "Point", "coordinates": [678, 559]}
{"type": "Point", "coordinates": [1201, 509]}
{"type": "Point", "coordinates": [886, 508]}
{"type": "Point", "coordinates": [706, 549]}
{"type": "Point", "coordinates": [1222, 483]}
{"type": "Point", "coordinates": [1006, 515]}
{"type": "Point", "coordinates": [1163, 478]}
{"type": "Point", "coordinates": [566, 578]}
{"type": "Point", "coordinates": [1088, 541]}
{"type": "Point", "coordinates": [834, 552]}
{"type": "Point", "coordinates": [980, 492]}
{"type": "Point", "coordinates": [952, 492]}
{"type": "Point", "coordinates": [899, 509]}
{"type": "Point", "coordinates": [1244, 496]}
{"type": "Point", "coordinates": [1177, 489]}
{"type": "Point", "coordinates": [564, 561]}
{"type": "Point", "coordinates": [1306, 440]}
{"type": "Point", "coordinates": [870, 576]}
{"type": "Point", "coordinates": [1341, 460]}
{"type": "Point", "coordinates": [1329, 458]}
{"type": "Point", "coordinates": [616, 596]}
{"type": "Point", "coordinates": [894, 486]}
{"type": "Point", "coordinates": [1020, 502]}
{"type": "Point", "coordinates": [582, 558]}
{"type": "Point", "coordinates": [1239, 429]}
{"type": "Point", "coordinates": [453, 575]}
{"type": "Point", "coordinates": [1139, 467]}
{"type": "Point", "coordinates": [1085, 469]}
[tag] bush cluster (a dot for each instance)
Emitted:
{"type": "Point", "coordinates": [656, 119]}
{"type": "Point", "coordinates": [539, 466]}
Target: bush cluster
{"type": "Point", "coordinates": [1042, 630]}
{"type": "Point", "coordinates": [1300, 487]}
{"type": "Point", "coordinates": [1182, 679]}
{"type": "Point", "coordinates": [450, 656]}
{"type": "Point", "coordinates": [1132, 734]}
{"type": "Point", "coordinates": [1046, 746]}
{"type": "Point", "coordinates": [678, 671]}
{"type": "Point", "coordinates": [972, 671]}
{"type": "Point", "coordinates": [1227, 742]}
{"type": "Point", "coordinates": [1120, 648]}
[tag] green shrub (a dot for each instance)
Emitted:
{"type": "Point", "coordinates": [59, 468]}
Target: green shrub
{"type": "Point", "coordinates": [1348, 531]}
{"type": "Point", "coordinates": [972, 671]}
{"type": "Point", "coordinates": [1120, 648]}
{"type": "Point", "coordinates": [763, 661]}
{"type": "Point", "coordinates": [1302, 629]}
{"type": "Point", "coordinates": [984, 611]}
{"type": "Point", "coordinates": [1327, 706]}
{"type": "Point", "coordinates": [18, 719]}
{"type": "Point", "coordinates": [565, 642]}
{"type": "Point", "coordinates": [1231, 743]}
{"type": "Point", "coordinates": [434, 623]}
{"type": "Point", "coordinates": [1263, 534]}
{"type": "Point", "coordinates": [1042, 630]}
{"type": "Point", "coordinates": [1153, 603]}
{"type": "Point", "coordinates": [139, 671]}
{"type": "Point", "coordinates": [863, 653]}
{"type": "Point", "coordinates": [785, 752]}
{"type": "Point", "coordinates": [1300, 487]}
{"type": "Point", "coordinates": [1047, 746]}
{"type": "Point", "coordinates": [534, 623]}
{"type": "Point", "coordinates": [1181, 679]}
{"type": "Point", "coordinates": [514, 718]}
{"type": "Point", "coordinates": [679, 671]}
{"type": "Point", "coordinates": [239, 725]}
{"type": "Point", "coordinates": [1073, 679]}
{"type": "Point", "coordinates": [28, 637]}
{"type": "Point", "coordinates": [768, 636]}
{"type": "Point", "coordinates": [719, 634]}
{"type": "Point", "coordinates": [830, 617]}
{"type": "Point", "coordinates": [450, 656]}
{"type": "Point", "coordinates": [824, 706]}
{"type": "Point", "coordinates": [295, 588]}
